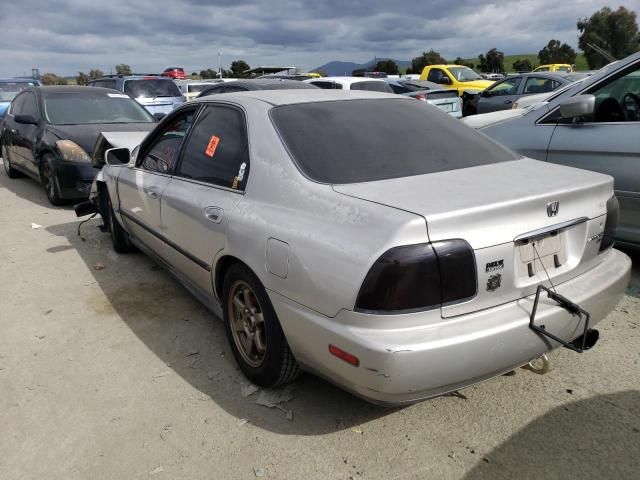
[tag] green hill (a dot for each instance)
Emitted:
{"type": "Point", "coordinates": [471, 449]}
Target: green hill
{"type": "Point", "coordinates": [581, 62]}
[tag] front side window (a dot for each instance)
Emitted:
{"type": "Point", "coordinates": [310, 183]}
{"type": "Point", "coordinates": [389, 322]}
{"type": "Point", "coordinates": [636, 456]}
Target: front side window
{"type": "Point", "coordinates": [30, 106]}
{"type": "Point", "coordinates": [436, 75]}
{"type": "Point", "coordinates": [162, 153]}
{"type": "Point", "coordinates": [218, 150]}
{"type": "Point", "coordinates": [619, 100]}
{"type": "Point", "coordinates": [18, 104]}
{"type": "Point", "coordinates": [506, 87]}
{"type": "Point", "coordinates": [540, 85]}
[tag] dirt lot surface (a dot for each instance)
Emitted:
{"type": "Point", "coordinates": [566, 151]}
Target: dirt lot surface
{"type": "Point", "coordinates": [118, 373]}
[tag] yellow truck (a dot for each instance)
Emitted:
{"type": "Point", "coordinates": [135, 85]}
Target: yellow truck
{"type": "Point", "coordinates": [466, 81]}
{"type": "Point", "coordinates": [555, 67]}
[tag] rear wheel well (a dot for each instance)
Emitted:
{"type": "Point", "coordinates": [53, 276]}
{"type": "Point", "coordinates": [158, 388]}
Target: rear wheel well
{"type": "Point", "coordinates": [222, 267]}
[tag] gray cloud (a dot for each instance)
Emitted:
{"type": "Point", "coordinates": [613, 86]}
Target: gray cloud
{"type": "Point", "coordinates": [66, 36]}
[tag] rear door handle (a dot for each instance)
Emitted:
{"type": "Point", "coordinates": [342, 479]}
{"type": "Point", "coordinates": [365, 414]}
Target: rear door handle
{"type": "Point", "coordinates": [151, 193]}
{"type": "Point", "coordinates": [213, 214]}
{"type": "Point", "coordinates": [507, 102]}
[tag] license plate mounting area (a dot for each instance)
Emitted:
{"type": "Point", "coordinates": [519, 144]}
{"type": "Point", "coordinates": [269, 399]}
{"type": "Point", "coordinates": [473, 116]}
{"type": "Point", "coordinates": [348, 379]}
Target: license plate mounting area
{"type": "Point", "coordinates": [582, 342]}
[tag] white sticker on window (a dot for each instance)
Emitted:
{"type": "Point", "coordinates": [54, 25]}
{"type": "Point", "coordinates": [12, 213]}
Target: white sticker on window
{"type": "Point", "coordinates": [117, 95]}
{"type": "Point", "coordinates": [241, 172]}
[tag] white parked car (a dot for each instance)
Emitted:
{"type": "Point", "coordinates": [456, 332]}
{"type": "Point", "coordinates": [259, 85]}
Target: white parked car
{"type": "Point", "coordinates": [351, 83]}
{"type": "Point", "coordinates": [192, 88]}
{"type": "Point", "coordinates": [368, 239]}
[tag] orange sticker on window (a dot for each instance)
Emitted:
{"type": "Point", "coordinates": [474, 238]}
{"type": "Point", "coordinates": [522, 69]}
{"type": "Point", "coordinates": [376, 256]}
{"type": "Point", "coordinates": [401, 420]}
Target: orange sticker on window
{"type": "Point", "coordinates": [213, 144]}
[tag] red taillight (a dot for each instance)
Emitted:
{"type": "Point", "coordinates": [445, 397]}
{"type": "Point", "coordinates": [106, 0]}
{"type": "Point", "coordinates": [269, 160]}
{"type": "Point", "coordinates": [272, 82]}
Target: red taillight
{"type": "Point", "coordinates": [342, 355]}
{"type": "Point", "coordinates": [421, 96]}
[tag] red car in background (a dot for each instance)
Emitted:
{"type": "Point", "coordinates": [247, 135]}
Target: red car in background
{"type": "Point", "coordinates": [177, 73]}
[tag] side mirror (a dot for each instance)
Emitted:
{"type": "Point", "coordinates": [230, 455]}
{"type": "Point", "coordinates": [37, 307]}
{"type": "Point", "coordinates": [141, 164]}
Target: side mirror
{"type": "Point", "coordinates": [25, 119]}
{"type": "Point", "coordinates": [578, 106]}
{"type": "Point", "coordinates": [445, 80]}
{"type": "Point", "coordinates": [159, 116]}
{"type": "Point", "coordinates": [116, 157]}
{"type": "Point", "coordinates": [486, 93]}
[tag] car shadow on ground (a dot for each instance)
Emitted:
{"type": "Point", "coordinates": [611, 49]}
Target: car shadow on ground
{"type": "Point", "coordinates": [587, 439]}
{"type": "Point", "coordinates": [191, 341]}
{"type": "Point", "coordinates": [27, 188]}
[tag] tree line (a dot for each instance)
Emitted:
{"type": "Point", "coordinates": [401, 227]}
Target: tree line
{"type": "Point", "coordinates": [614, 31]}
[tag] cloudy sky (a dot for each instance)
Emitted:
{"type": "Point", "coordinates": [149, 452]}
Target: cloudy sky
{"type": "Point", "coordinates": [65, 36]}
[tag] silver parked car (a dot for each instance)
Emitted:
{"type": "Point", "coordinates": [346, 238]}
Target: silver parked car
{"type": "Point", "coordinates": [360, 236]}
{"type": "Point", "coordinates": [593, 125]}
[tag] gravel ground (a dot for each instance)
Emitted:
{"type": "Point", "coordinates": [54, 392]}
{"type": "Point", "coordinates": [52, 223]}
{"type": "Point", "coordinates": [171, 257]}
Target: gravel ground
{"type": "Point", "coordinates": [118, 373]}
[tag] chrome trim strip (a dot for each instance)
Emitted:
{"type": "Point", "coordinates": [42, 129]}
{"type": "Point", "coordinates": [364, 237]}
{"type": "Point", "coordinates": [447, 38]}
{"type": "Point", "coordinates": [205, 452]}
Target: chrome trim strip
{"type": "Point", "coordinates": [544, 231]}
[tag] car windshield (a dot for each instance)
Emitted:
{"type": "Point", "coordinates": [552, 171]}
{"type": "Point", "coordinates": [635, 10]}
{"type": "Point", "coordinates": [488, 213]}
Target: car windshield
{"type": "Point", "coordinates": [151, 88]}
{"type": "Point", "coordinates": [367, 140]}
{"type": "Point", "coordinates": [74, 109]}
{"type": "Point", "coordinates": [8, 90]}
{"type": "Point", "coordinates": [464, 74]}
{"type": "Point", "coordinates": [371, 86]}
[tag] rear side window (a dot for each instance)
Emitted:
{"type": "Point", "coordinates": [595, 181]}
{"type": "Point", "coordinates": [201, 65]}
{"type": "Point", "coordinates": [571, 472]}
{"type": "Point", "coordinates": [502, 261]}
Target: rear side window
{"type": "Point", "coordinates": [327, 85]}
{"type": "Point", "coordinates": [217, 150]}
{"type": "Point", "coordinates": [368, 140]}
{"type": "Point", "coordinates": [372, 86]}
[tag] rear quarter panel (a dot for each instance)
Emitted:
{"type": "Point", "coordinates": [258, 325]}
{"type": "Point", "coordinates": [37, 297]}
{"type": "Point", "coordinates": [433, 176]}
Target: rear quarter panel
{"type": "Point", "coordinates": [333, 239]}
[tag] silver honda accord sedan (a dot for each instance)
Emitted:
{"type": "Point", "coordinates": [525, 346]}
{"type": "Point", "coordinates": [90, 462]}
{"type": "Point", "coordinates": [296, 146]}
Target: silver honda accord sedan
{"type": "Point", "coordinates": [365, 238]}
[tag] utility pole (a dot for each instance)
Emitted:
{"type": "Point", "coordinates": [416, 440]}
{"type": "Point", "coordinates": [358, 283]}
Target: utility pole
{"type": "Point", "coordinates": [219, 65]}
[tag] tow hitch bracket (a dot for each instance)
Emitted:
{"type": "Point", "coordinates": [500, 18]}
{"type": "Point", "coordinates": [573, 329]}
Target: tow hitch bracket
{"type": "Point", "coordinates": [585, 341]}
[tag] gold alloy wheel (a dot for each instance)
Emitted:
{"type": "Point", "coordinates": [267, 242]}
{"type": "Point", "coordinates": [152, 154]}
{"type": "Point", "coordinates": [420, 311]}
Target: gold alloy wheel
{"type": "Point", "coordinates": [247, 323]}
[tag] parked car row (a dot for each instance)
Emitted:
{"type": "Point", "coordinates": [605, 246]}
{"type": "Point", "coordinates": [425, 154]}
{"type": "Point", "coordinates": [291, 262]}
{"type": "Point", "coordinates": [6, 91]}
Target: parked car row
{"type": "Point", "coordinates": [590, 124]}
{"type": "Point", "coordinates": [360, 235]}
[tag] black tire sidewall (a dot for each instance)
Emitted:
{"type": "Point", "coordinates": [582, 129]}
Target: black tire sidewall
{"type": "Point", "coordinates": [8, 169]}
{"type": "Point", "coordinates": [48, 164]}
{"type": "Point", "coordinates": [119, 238]}
{"type": "Point", "coordinates": [268, 374]}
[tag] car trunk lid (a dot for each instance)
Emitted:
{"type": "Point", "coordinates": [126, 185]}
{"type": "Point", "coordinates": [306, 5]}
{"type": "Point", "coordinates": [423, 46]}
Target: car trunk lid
{"type": "Point", "coordinates": [502, 210]}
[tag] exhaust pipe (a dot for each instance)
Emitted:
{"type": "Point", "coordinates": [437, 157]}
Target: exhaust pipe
{"type": "Point", "coordinates": [540, 365]}
{"type": "Point", "coordinates": [586, 341]}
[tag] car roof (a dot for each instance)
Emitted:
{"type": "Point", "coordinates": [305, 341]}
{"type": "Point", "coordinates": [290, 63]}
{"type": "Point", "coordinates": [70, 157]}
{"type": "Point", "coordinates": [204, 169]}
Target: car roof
{"type": "Point", "coordinates": [291, 97]}
{"type": "Point", "coordinates": [345, 80]}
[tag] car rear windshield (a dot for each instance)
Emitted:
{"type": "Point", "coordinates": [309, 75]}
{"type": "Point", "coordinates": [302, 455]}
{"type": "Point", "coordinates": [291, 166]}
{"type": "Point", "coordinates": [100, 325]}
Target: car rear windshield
{"type": "Point", "coordinates": [372, 86]}
{"type": "Point", "coordinates": [367, 140]}
{"type": "Point", "coordinates": [151, 88]}
{"type": "Point", "coordinates": [198, 87]}
{"type": "Point", "coordinates": [8, 90]}
{"type": "Point", "coordinates": [74, 109]}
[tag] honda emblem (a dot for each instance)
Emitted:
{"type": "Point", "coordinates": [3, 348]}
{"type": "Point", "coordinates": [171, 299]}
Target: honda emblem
{"type": "Point", "coordinates": [553, 208]}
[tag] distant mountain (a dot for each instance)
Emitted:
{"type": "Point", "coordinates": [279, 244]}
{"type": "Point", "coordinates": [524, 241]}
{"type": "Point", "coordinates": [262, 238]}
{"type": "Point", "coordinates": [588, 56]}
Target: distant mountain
{"type": "Point", "coordinates": [336, 68]}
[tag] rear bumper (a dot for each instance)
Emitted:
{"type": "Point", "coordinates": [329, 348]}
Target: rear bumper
{"type": "Point", "coordinates": [401, 364]}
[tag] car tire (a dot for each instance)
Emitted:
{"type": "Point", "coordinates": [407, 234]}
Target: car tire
{"type": "Point", "coordinates": [8, 169]}
{"type": "Point", "coordinates": [48, 179]}
{"type": "Point", "coordinates": [253, 330]}
{"type": "Point", "coordinates": [119, 237]}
